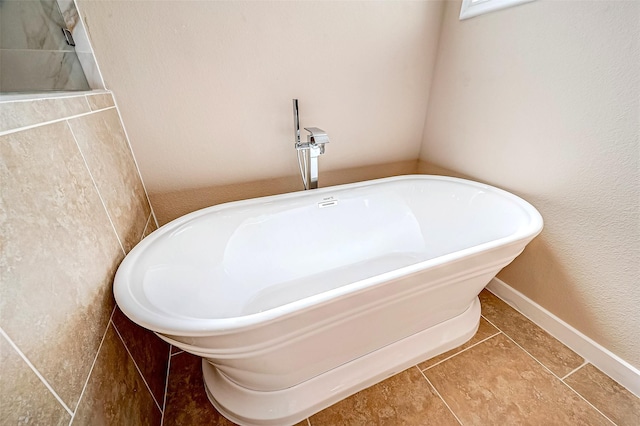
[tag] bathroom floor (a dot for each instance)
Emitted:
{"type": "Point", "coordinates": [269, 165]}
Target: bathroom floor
{"type": "Point", "coordinates": [510, 373]}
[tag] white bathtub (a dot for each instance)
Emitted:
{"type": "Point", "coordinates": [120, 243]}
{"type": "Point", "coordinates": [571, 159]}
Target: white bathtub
{"type": "Point", "coordinates": [296, 301]}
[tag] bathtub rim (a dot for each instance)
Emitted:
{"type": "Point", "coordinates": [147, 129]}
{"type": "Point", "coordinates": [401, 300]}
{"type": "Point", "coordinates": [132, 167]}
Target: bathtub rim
{"type": "Point", "coordinates": [180, 325]}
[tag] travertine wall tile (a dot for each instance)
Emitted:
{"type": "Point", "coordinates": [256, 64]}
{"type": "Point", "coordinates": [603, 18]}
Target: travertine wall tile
{"type": "Point", "coordinates": [100, 101]}
{"type": "Point", "coordinates": [25, 399]}
{"type": "Point", "coordinates": [104, 146]}
{"type": "Point", "coordinates": [14, 115]}
{"type": "Point", "coordinates": [150, 353]}
{"type": "Point", "coordinates": [187, 402]}
{"type": "Point", "coordinates": [58, 257]}
{"type": "Point", "coordinates": [115, 393]}
{"type": "Point", "coordinates": [59, 254]}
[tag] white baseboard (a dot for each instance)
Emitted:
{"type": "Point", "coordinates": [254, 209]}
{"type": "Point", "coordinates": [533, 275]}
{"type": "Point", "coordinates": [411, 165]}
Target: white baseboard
{"type": "Point", "coordinates": [608, 362]}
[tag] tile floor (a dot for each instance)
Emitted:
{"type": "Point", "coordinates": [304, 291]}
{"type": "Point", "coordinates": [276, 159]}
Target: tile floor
{"type": "Point", "coordinates": [510, 373]}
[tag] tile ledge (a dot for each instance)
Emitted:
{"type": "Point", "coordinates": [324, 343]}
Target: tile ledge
{"type": "Point", "coordinates": [18, 97]}
{"type": "Point", "coordinates": [602, 358]}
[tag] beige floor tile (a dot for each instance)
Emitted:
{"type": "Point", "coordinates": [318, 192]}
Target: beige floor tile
{"type": "Point", "coordinates": [545, 348]}
{"type": "Point", "coordinates": [606, 395]}
{"type": "Point", "coordinates": [404, 399]}
{"type": "Point", "coordinates": [484, 330]}
{"type": "Point", "coordinates": [497, 383]}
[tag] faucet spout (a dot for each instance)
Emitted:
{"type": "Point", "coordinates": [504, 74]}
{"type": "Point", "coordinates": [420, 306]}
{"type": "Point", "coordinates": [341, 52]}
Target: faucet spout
{"type": "Point", "coordinates": [317, 136]}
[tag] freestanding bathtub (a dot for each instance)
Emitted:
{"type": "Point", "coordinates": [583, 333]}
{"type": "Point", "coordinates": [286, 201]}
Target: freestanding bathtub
{"type": "Point", "coordinates": [296, 301]}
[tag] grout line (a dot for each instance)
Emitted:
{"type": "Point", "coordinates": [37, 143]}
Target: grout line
{"type": "Point", "coordinates": [525, 351]}
{"type": "Point", "coordinates": [86, 99]}
{"type": "Point", "coordinates": [155, 219]}
{"type": "Point", "coordinates": [308, 421]}
{"type": "Point", "coordinates": [36, 372]}
{"type": "Point", "coordinates": [464, 350]}
{"type": "Point", "coordinates": [95, 185]}
{"type": "Point", "coordinates": [39, 50]}
{"type": "Point", "coordinates": [166, 388]}
{"type": "Point", "coordinates": [44, 123]}
{"type": "Point", "coordinates": [552, 373]}
{"type": "Point", "coordinates": [585, 400]}
{"type": "Point", "coordinates": [177, 353]}
{"type": "Point", "coordinates": [609, 363]}
{"type": "Point", "coordinates": [574, 370]}
{"type": "Point", "coordinates": [90, 95]}
{"type": "Point", "coordinates": [135, 161]}
{"type": "Point", "coordinates": [439, 396]}
{"type": "Point", "coordinates": [146, 226]}
{"type": "Point", "coordinates": [490, 322]}
{"type": "Point", "coordinates": [136, 365]}
{"type": "Point", "coordinates": [95, 359]}
{"type": "Point", "coordinates": [42, 96]}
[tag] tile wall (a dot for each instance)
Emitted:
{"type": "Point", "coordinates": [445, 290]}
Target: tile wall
{"type": "Point", "coordinates": [71, 207]}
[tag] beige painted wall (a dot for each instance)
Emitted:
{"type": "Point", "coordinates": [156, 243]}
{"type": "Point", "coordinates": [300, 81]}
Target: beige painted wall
{"type": "Point", "coordinates": [205, 87]}
{"type": "Point", "coordinates": [543, 100]}
{"type": "Point", "coordinates": [171, 205]}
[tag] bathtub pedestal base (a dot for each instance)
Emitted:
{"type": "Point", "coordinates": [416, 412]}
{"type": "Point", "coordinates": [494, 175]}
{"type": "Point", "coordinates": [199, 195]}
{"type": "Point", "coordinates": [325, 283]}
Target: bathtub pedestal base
{"type": "Point", "coordinates": [288, 406]}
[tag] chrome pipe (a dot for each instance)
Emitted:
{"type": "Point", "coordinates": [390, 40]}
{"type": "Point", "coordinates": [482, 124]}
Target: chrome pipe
{"type": "Point", "coordinates": [312, 177]}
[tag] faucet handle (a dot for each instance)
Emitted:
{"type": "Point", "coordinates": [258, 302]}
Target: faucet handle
{"type": "Point", "coordinates": [317, 136]}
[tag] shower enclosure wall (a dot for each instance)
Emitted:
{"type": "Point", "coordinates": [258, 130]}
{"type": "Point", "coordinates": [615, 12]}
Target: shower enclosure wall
{"type": "Point", "coordinates": [35, 55]}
